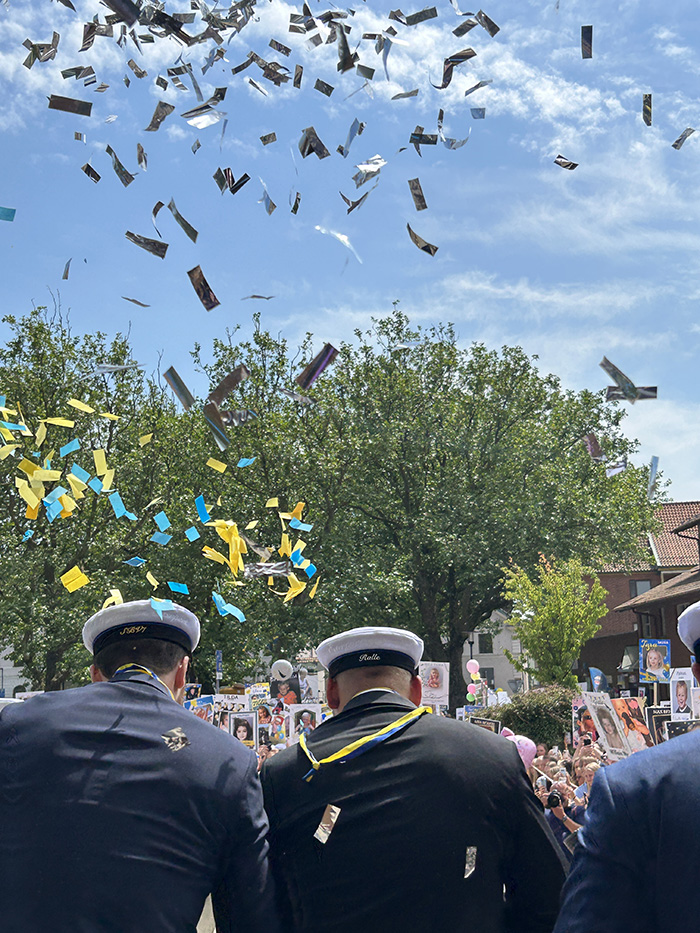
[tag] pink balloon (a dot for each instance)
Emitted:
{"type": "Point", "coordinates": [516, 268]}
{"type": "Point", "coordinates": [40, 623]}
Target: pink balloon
{"type": "Point", "coordinates": [473, 666]}
{"type": "Point", "coordinates": [471, 689]}
{"type": "Point", "coordinates": [526, 748]}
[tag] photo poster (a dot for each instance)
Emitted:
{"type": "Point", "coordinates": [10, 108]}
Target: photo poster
{"type": "Point", "coordinates": [303, 719]}
{"type": "Point", "coordinates": [681, 685]}
{"type": "Point", "coordinates": [695, 701]}
{"type": "Point", "coordinates": [657, 719]}
{"type": "Point", "coordinates": [674, 729]}
{"type": "Point", "coordinates": [225, 705]}
{"type": "Point", "coordinates": [202, 707]}
{"type": "Point", "coordinates": [258, 694]}
{"type": "Point", "coordinates": [192, 691]}
{"type": "Point", "coordinates": [493, 725]}
{"type": "Point", "coordinates": [634, 726]}
{"type": "Point", "coordinates": [581, 722]}
{"type": "Point", "coordinates": [608, 725]}
{"type": "Point", "coordinates": [275, 732]}
{"type": "Point", "coordinates": [308, 686]}
{"type": "Point", "coordinates": [654, 660]}
{"type": "Point", "coordinates": [242, 725]}
{"type": "Point", "coordinates": [460, 713]}
{"type": "Point", "coordinates": [436, 682]}
{"type": "Point", "coordinates": [286, 690]}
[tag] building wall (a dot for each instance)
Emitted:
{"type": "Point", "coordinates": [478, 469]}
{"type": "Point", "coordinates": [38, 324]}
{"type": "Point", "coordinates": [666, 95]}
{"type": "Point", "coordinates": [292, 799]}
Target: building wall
{"type": "Point", "coordinates": [10, 676]}
{"type": "Point", "coordinates": [505, 675]}
{"type": "Point", "coordinates": [618, 587]}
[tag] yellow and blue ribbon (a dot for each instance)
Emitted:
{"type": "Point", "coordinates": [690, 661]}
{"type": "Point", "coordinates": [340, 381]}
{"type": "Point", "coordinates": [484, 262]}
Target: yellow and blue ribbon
{"type": "Point", "coordinates": [362, 745]}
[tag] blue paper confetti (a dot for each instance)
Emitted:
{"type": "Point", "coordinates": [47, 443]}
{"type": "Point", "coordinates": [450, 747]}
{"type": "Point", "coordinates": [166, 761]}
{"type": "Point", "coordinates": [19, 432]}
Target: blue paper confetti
{"type": "Point", "coordinates": [297, 558]}
{"type": "Point", "coordinates": [96, 485]}
{"type": "Point", "coordinates": [13, 427]}
{"type": "Point", "coordinates": [204, 516]}
{"type": "Point", "coordinates": [226, 609]}
{"type": "Point", "coordinates": [29, 533]}
{"type": "Point", "coordinates": [300, 526]}
{"type": "Point", "coordinates": [178, 587]}
{"type": "Point", "coordinates": [135, 562]}
{"type": "Point", "coordinates": [8, 213]}
{"type": "Point", "coordinates": [161, 605]}
{"type": "Point", "coordinates": [80, 473]}
{"type": "Point", "coordinates": [115, 500]}
{"type": "Point", "coordinates": [246, 461]}
{"type": "Point", "coordinates": [160, 538]}
{"type": "Point", "coordinates": [478, 113]}
{"type": "Point", "coordinates": [162, 521]}
{"type": "Point", "coordinates": [192, 534]}
{"type": "Point", "coordinates": [69, 448]}
{"type": "Point", "coordinates": [53, 509]}
{"type": "Point", "coordinates": [310, 570]}
{"type": "Point", "coordinates": [54, 495]}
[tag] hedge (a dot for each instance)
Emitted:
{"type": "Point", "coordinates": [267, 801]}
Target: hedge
{"type": "Point", "coordinates": [542, 714]}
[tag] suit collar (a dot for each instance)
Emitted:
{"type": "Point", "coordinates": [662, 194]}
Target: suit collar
{"type": "Point", "coordinates": [377, 697]}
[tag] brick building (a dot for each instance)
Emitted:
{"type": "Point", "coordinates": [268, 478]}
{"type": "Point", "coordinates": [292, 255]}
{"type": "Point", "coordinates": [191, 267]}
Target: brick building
{"type": "Point", "coordinates": [644, 600]}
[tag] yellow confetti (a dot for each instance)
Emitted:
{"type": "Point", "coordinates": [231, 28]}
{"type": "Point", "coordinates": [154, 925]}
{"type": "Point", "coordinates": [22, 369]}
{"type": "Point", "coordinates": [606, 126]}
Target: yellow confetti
{"type": "Point", "coordinates": [41, 433]}
{"type": "Point", "coordinates": [26, 493]}
{"type": "Point", "coordinates": [107, 480]}
{"type": "Point", "coordinates": [74, 579]}
{"type": "Point", "coordinates": [285, 515]}
{"type": "Point", "coordinates": [108, 414]}
{"type": "Point", "coordinates": [299, 546]}
{"type": "Point", "coordinates": [217, 465]}
{"type": "Point", "coordinates": [312, 591]}
{"type": "Point", "coordinates": [251, 525]}
{"type": "Point", "coordinates": [272, 503]}
{"type": "Point", "coordinates": [46, 476]}
{"type": "Point", "coordinates": [115, 598]}
{"type": "Point", "coordinates": [32, 513]}
{"type": "Point", "coordinates": [26, 466]}
{"type": "Point", "coordinates": [7, 450]}
{"type": "Point", "coordinates": [145, 439]}
{"type": "Point", "coordinates": [296, 586]}
{"type": "Point", "coordinates": [77, 486]}
{"type": "Point", "coordinates": [151, 579]}
{"type": "Point", "coordinates": [212, 554]}
{"type": "Point", "coordinates": [285, 548]}
{"type": "Point", "coordinates": [100, 462]}
{"type": "Point", "coordinates": [47, 459]}
{"type": "Point", "coordinates": [61, 422]}
{"type": "Point", "coordinates": [298, 509]}
{"type": "Point", "coordinates": [218, 501]}
{"type": "Point", "coordinates": [6, 434]}
{"type": "Point", "coordinates": [69, 505]}
{"type": "Point", "coordinates": [81, 406]}
{"type": "Point", "coordinates": [24, 430]}
{"type": "Point", "coordinates": [7, 412]}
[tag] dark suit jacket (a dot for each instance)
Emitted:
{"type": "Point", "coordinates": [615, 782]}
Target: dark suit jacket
{"type": "Point", "coordinates": [635, 868]}
{"type": "Point", "coordinates": [104, 828]}
{"type": "Point", "coordinates": [410, 809]}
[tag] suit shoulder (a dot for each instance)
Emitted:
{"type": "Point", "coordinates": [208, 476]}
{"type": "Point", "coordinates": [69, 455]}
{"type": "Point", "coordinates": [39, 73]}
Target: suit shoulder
{"type": "Point", "coordinates": [652, 765]}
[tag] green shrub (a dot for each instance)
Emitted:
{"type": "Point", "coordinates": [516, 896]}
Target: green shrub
{"type": "Point", "coordinates": [542, 714]}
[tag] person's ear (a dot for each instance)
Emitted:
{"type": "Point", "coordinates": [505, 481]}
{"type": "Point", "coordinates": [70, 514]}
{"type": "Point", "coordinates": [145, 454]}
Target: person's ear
{"type": "Point", "coordinates": [96, 675]}
{"type": "Point", "coordinates": [415, 690]}
{"type": "Point", "coordinates": [332, 693]}
{"type": "Point", "coordinates": [181, 673]}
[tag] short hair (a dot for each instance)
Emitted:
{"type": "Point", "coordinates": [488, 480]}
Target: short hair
{"type": "Point", "coordinates": [160, 656]}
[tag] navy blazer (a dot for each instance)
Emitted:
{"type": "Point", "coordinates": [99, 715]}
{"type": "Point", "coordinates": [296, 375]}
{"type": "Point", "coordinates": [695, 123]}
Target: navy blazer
{"type": "Point", "coordinates": [635, 868]}
{"type": "Point", "coordinates": [433, 824]}
{"type": "Point", "coordinates": [108, 824]}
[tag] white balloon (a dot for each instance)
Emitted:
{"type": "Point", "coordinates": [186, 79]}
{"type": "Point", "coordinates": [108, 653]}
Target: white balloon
{"type": "Point", "coordinates": [281, 670]}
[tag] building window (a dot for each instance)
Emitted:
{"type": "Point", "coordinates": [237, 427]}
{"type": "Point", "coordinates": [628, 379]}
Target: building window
{"type": "Point", "coordinates": [646, 620]}
{"type": "Point", "coordinates": [488, 674]}
{"type": "Point", "coordinates": [637, 587]}
{"type": "Point", "coordinates": [515, 646]}
{"type": "Point", "coordinates": [485, 644]}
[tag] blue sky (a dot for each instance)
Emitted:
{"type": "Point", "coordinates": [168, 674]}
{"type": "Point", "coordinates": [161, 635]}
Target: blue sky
{"type": "Point", "coordinates": [572, 265]}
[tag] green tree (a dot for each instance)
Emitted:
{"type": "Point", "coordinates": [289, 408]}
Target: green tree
{"type": "Point", "coordinates": [427, 466]}
{"type": "Point", "coordinates": [553, 615]}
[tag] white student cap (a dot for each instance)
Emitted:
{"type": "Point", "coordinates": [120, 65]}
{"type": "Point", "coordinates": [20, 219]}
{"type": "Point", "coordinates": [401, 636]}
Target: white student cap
{"type": "Point", "coordinates": [139, 619]}
{"type": "Point", "coordinates": [689, 628]}
{"type": "Point", "coordinates": [372, 646]}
